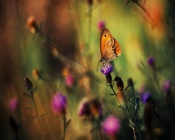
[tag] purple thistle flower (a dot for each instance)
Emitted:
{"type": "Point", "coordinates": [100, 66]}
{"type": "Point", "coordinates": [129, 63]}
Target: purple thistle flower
{"type": "Point", "coordinates": [167, 85]}
{"type": "Point", "coordinates": [84, 108]}
{"type": "Point", "coordinates": [145, 96]}
{"type": "Point", "coordinates": [59, 103]}
{"type": "Point", "coordinates": [111, 125]}
{"type": "Point", "coordinates": [151, 61]}
{"type": "Point", "coordinates": [106, 69]}
{"type": "Point", "coordinates": [101, 25]}
{"type": "Point", "coordinates": [13, 104]}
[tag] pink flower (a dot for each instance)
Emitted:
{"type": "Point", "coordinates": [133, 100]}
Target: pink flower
{"type": "Point", "coordinates": [69, 80]}
{"type": "Point", "coordinates": [167, 85]}
{"type": "Point", "coordinates": [151, 61]}
{"type": "Point", "coordinates": [101, 25]}
{"type": "Point", "coordinates": [59, 103]}
{"type": "Point", "coordinates": [111, 125]}
{"type": "Point", "coordinates": [13, 104]}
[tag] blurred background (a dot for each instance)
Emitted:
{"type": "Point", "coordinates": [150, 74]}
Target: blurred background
{"type": "Point", "coordinates": [56, 43]}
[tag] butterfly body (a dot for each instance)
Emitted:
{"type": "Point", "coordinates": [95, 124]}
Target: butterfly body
{"type": "Point", "coordinates": [109, 47]}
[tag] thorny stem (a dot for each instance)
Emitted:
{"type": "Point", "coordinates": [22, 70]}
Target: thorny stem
{"type": "Point", "coordinates": [36, 112]}
{"type": "Point", "coordinates": [136, 113]}
{"type": "Point", "coordinates": [170, 109]}
{"type": "Point", "coordinates": [111, 86]}
{"type": "Point", "coordinates": [128, 118]}
{"type": "Point", "coordinates": [157, 83]}
{"type": "Point", "coordinates": [101, 138]}
{"type": "Point", "coordinates": [136, 126]}
{"type": "Point", "coordinates": [90, 20]}
{"type": "Point", "coordinates": [126, 104]}
{"type": "Point", "coordinates": [143, 8]}
{"type": "Point", "coordinates": [134, 134]}
{"type": "Point", "coordinates": [132, 124]}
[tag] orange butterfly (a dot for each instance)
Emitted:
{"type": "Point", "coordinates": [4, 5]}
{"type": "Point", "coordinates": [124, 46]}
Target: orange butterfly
{"type": "Point", "coordinates": [109, 47]}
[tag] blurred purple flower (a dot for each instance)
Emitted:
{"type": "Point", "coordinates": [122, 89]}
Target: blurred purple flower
{"type": "Point", "coordinates": [167, 85]}
{"type": "Point", "coordinates": [90, 2]}
{"type": "Point", "coordinates": [84, 108]}
{"type": "Point", "coordinates": [69, 80]}
{"type": "Point", "coordinates": [59, 103]}
{"type": "Point", "coordinates": [111, 125]}
{"type": "Point", "coordinates": [145, 96]}
{"type": "Point", "coordinates": [96, 108]}
{"type": "Point", "coordinates": [151, 61]}
{"type": "Point", "coordinates": [106, 69]}
{"type": "Point", "coordinates": [101, 25]}
{"type": "Point", "coordinates": [13, 104]}
{"type": "Point", "coordinates": [90, 108]}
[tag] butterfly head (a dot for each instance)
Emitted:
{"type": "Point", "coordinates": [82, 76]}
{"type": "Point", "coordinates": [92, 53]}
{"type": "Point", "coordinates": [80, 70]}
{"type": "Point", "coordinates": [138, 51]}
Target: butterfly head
{"type": "Point", "coordinates": [103, 60]}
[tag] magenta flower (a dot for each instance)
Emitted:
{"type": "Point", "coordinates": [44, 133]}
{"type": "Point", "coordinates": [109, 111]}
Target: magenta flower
{"type": "Point", "coordinates": [106, 69]}
{"type": "Point", "coordinates": [101, 25]}
{"type": "Point", "coordinates": [59, 103]}
{"type": "Point", "coordinates": [69, 80]}
{"type": "Point", "coordinates": [13, 104]}
{"type": "Point", "coordinates": [151, 61]}
{"type": "Point", "coordinates": [167, 85]}
{"type": "Point", "coordinates": [111, 125]}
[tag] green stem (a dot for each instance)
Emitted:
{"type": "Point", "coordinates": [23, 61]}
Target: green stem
{"type": "Point", "coordinates": [101, 138]}
{"type": "Point", "coordinates": [136, 113]}
{"type": "Point", "coordinates": [126, 104]}
{"type": "Point", "coordinates": [157, 83]}
{"type": "Point", "coordinates": [134, 132]}
{"type": "Point", "coordinates": [36, 112]}
{"type": "Point", "coordinates": [143, 8]}
{"type": "Point", "coordinates": [128, 118]}
{"type": "Point", "coordinates": [64, 125]}
{"type": "Point", "coordinates": [90, 21]}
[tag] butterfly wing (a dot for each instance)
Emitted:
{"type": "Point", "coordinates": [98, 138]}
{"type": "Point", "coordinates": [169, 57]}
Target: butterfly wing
{"type": "Point", "coordinates": [106, 43]}
{"type": "Point", "coordinates": [109, 47]}
{"type": "Point", "coordinates": [103, 40]}
{"type": "Point", "coordinates": [109, 54]}
{"type": "Point", "coordinates": [117, 48]}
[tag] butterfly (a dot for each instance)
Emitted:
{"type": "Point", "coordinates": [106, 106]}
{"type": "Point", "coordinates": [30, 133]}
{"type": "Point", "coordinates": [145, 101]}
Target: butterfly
{"type": "Point", "coordinates": [109, 47]}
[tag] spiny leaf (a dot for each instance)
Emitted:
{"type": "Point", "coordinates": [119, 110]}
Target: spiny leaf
{"type": "Point", "coordinates": [43, 114]}
{"type": "Point", "coordinates": [68, 122]}
{"type": "Point", "coordinates": [122, 107]}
